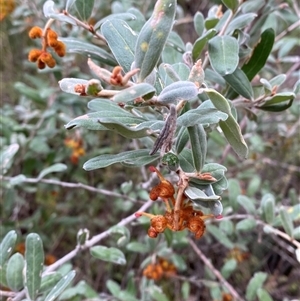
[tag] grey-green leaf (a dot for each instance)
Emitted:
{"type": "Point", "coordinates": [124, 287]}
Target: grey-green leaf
{"type": "Point", "coordinates": [268, 207]}
{"type": "Point", "coordinates": [6, 156]}
{"type": "Point", "coordinates": [58, 167]}
{"type": "Point", "coordinates": [286, 221]}
{"type": "Point", "coordinates": [49, 281]}
{"type": "Point", "coordinates": [34, 262]}
{"type": "Point", "coordinates": [7, 246]}
{"type": "Point", "coordinates": [246, 224]}
{"type": "Point", "coordinates": [180, 90]}
{"type": "Point", "coordinates": [84, 8]}
{"type": "Point", "coordinates": [113, 255]}
{"type": "Point", "coordinates": [121, 40]}
{"type": "Point", "coordinates": [153, 37]}
{"type": "Point", "coordinates": [142, 90]}
{"type": "Point", "coordinates": [239, 82]}
{"type": "Point", "coordinates": [198, 144]}
{"type": "Point", "coordinates": [201, 116]}
{"type": "Point", "coordinates": [230, 127]}
{"type": "Point", "coordinates": [246, 203]}
{"type": "Point", "coordinates": [132, 158]}
{"type": "Point", "coordinates": [199, 23]}
{"type": "Point", "coordinates": [201, 42]}
{"type": "Point", "coordinates": [223, 54]}
{"type": "Point", "coordinates": [95, 52]}
{"type": "Point", "coordinates": [60, 286]}
{"type": "Point", "coordinates": [263, 295]}
{"type": "Point", "coordinates": [254, 284]}
{"type": "Point", "coordinates": [14, 275]}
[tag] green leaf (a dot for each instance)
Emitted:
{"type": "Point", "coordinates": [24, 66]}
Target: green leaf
{"type": "Point", "coordinates": [268, 207]}
{"type": "Point", "coordinates": [7, 246]}
{"type": "Point", "coordinates": [116, 16]}
{"type": "Point", "coordinates": [198, 144]}
{"type": "Point", "coordinates": [220, 236]}
{"type": "Point", "coordinates": [199, 23]}
{"type": "Point", "coordinates": [201, 42]}
{"type": "Point", "coordinates": [50, 11]}
{"type": "Point", "coordinates": [106, 109]}
{"type": "Point", "coordinates": [60, 286]}
{"type": "Point", "coordinates": [260, 54]}
{"type": "Point", "coordinates": [157, 293]}
{"type": "Point", "coordinates": [124, 232]}
{"type": "Point", "coordinates": [95, 52]}
{"type": "Point", "coordinates": [223, 54]}
{"type": "Point", "coordinates": [278, 102]}
{"type": "Point", "coordinates": [108, 254]}
{"type": "Point", "coordinates": [137, 247]}
{"type": "Point", "coordinates": [14, 272]}
{"type": "Point", "coordinates": [239, 82]}
{"type": "Point", "coordinates": [84, 8]}
{"type": "Point", "coordinates": [181, 139]}
{"type": "Point", "coordinates": [34, 262]}
{"type": "Point", "coordinates": [113, 287]}
{"type": "Point", "coordinates": [195, 194]}
{"type": "Point", "coordinates": [230, 127]}
{"type": "Point", "coordinates": [240, 22]}
{"type": "Point", "coordinates": [133, 93]}
{"type": "Point", "coordinates": [286, 221]}
{"type": "Point", "coordinates": [254, 284]}
{"type": "Point", "coordinates": [81, 289]}
{"type": "Point", "coordinates": [180, 90]}
{"type": "Point", "coordinates": [6, 156]}
{"type": "Point", "coordinates": [231, 4]}
{"type": "Point", "coordinates": [153, 37]}
{"type": "Point", "coordinates": [49, 281]}
{"type": "Point", "coordinates": [263, 295]}
{"type": "Point", "coordinates": [246, 203]}
{"type": "Point", "coordinates": [246, 224]}
{"type": "Point", "coordinates": [121, 40]}
{"type": "Point", "coordinates": [234, 190]}
{"type": "Point", "coordinates": [228, 268]}
{"type": "Point", "coordinates": [58, 167]}
{"type": "Point", "coordinates": [133, 157]}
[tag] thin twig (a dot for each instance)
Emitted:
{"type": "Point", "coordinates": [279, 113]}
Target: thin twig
{"type": "Point", "coordinates": [73, 185]}
{"type": "Point", "coordinates": [289, 29]}
{"type": "Point", "coordinates": [88, 244]}
{"type": "Point", "coordinates": [206, 261]}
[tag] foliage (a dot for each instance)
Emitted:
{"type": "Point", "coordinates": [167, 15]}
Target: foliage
{"type": "Point", "coordinates": [121, 87]}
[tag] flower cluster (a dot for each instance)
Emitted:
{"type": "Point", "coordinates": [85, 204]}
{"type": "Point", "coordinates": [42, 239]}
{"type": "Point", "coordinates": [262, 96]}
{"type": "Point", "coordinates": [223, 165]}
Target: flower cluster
{"type": "Point", "coordinates": [176, 220]}
{"type": "Point", "coordinates": [162, 268]}
{"type": "Point", "coordinates": [77, 149]}
{"type": "Point", "coordinates": [49, 39]}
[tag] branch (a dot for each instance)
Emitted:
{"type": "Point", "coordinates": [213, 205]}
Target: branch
{"type": "Point", "coordinates": [205, 260]}
{"type": "Point", "coordinates": [89, 243]}
{"type": "Point", "coordinates": [73, 185]}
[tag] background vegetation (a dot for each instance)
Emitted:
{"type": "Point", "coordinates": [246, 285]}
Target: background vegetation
{"type": "Point", "coordinates": [250, 254]}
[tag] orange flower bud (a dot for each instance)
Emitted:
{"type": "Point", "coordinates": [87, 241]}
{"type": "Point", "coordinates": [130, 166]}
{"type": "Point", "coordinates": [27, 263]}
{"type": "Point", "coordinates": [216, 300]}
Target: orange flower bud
{"type": "Point", "coordinates": [60, 48]}
{"type": "Point", "coordinates": [34, 54]}
{"type": "Point", "coordinates": [40, 64]}
{"type": "Point", "coordinates": [152, 233]}
{"type": "Point", "coordinates": [52, 38]}
{"type": "Point", "coordinates": [197, 226]}
{"type": "Point", "coordinates": [35, 32]}
{"type": "Point", "coordinates": [51, 63]}
{"type": "Point", "coordinates": [45, 57]}
{"type": "Point", "coordinates": [159, 223]}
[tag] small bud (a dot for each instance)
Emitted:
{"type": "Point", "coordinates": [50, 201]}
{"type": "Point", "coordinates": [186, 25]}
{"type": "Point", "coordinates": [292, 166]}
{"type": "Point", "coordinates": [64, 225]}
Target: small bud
{"type": "Point", "coordinates": [34, 54]}
{"type": "Point", "coordinates": [152, 233]}
{"type": "Point", "coordinates": [35, 32]}
{"type": "Point", "coordinates": [60, 49]}
{"type": "Point", "coordinates": [45, 57]}
{"type": "Point", "coordinates": [159, 223]}
{"type": "Point", "coordinates": [40, 64]}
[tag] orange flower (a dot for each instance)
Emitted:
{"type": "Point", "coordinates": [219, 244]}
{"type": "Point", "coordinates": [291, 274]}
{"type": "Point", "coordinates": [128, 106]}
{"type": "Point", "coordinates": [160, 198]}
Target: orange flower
{"type": "Point", "coordinates": [49, 39]}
